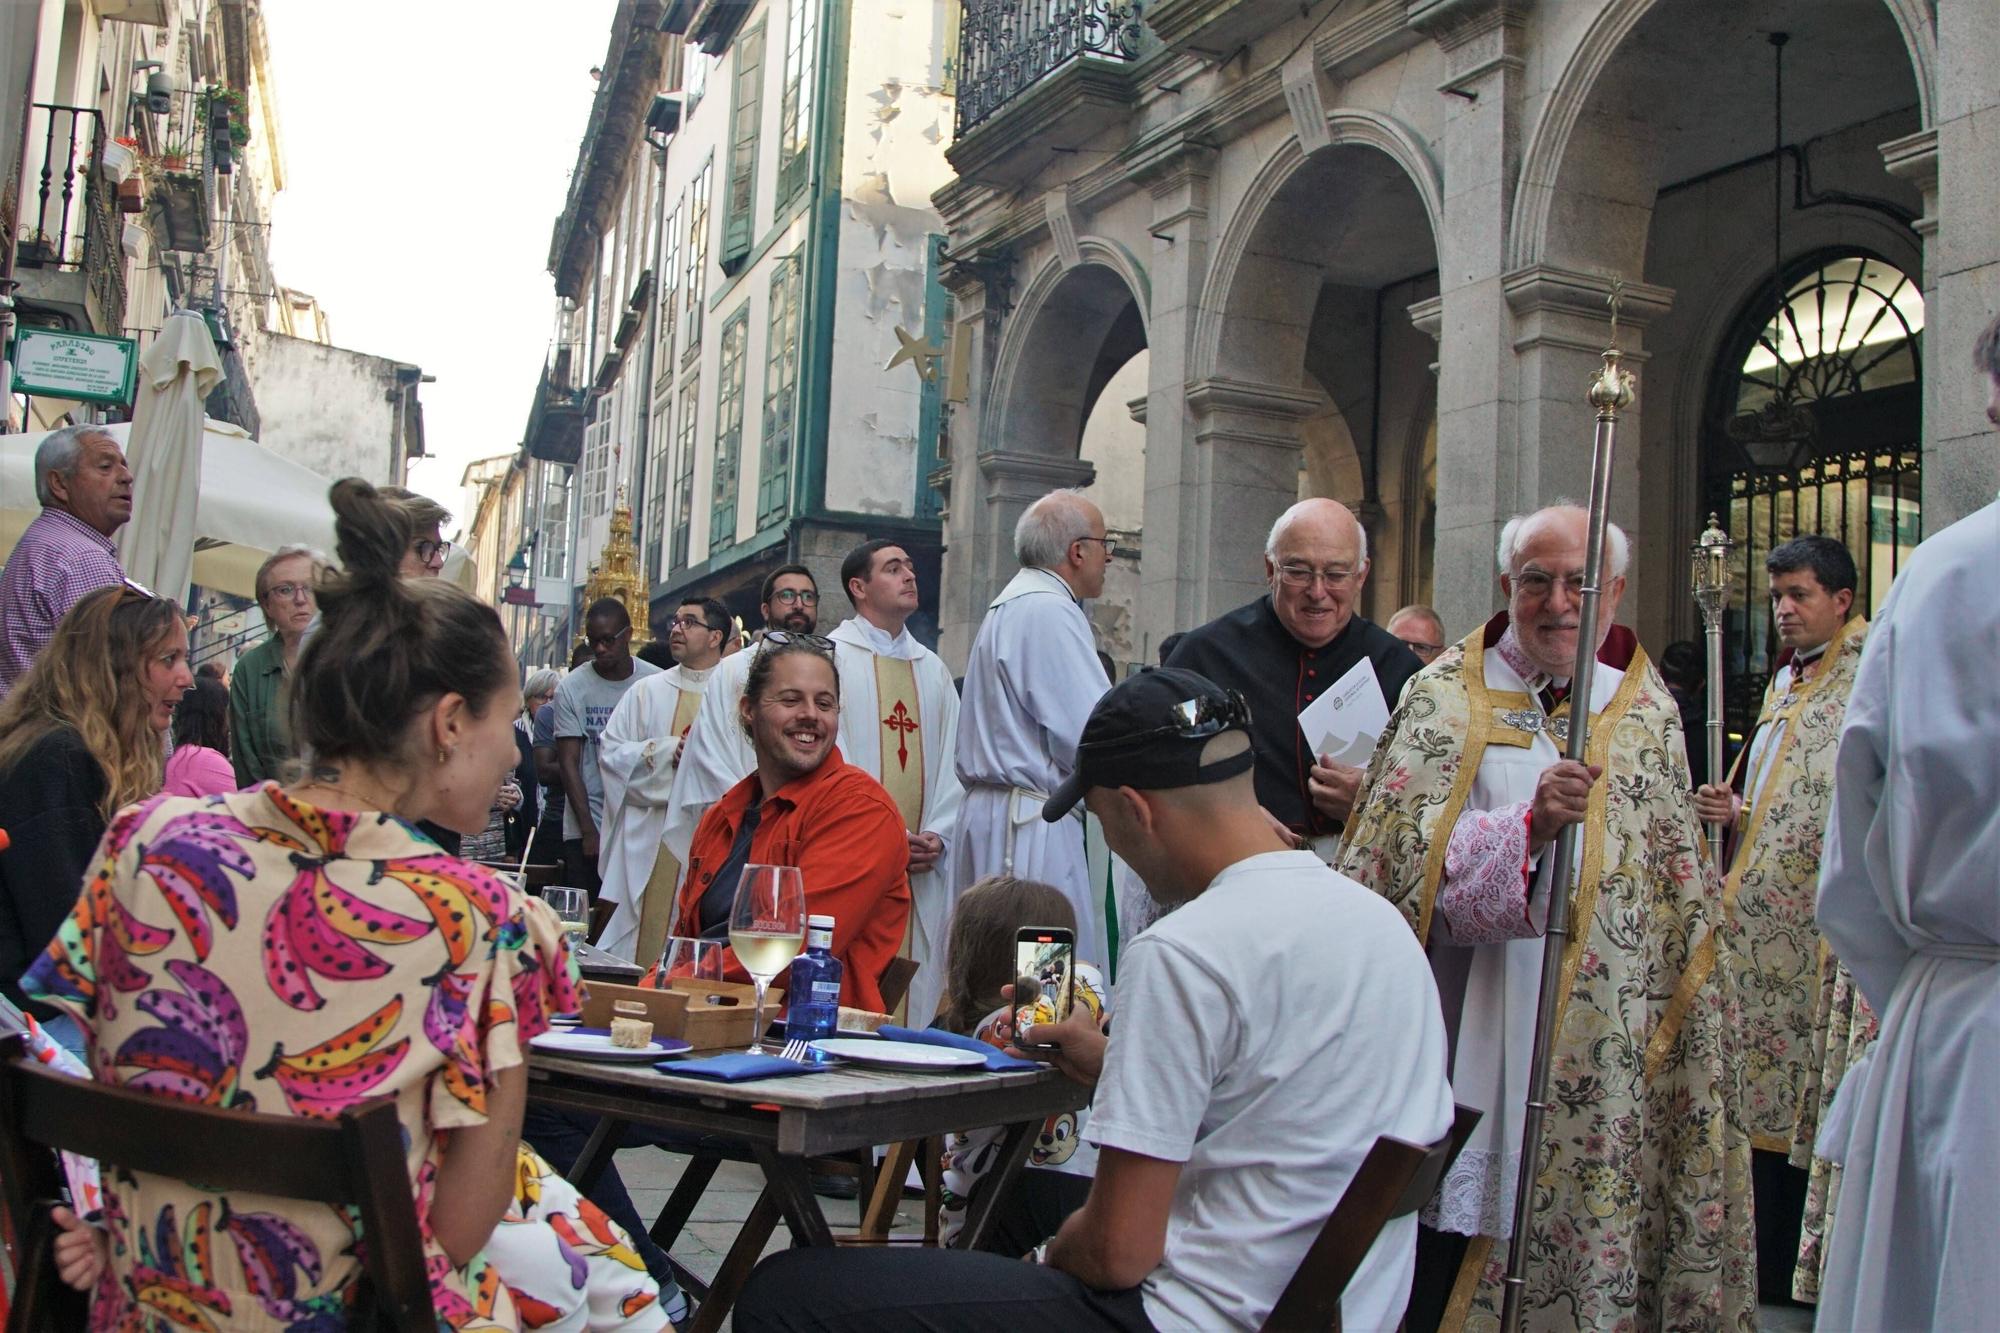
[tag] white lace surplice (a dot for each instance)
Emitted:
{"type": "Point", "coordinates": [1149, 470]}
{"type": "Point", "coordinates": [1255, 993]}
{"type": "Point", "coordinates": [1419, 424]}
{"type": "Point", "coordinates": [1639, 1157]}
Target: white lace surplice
{"type": "Point", "coordinates": [1486, 947]}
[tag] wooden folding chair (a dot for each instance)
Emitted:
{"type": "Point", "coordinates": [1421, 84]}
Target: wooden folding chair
{"type": "Point", "coordinates": [1395, 1179]}
{"type": "Point", "coordinates": [356, 1160]}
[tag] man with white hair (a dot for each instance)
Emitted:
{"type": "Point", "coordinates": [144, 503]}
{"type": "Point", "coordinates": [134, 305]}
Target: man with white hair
{"type": "Point", "coordinates": [1030, 683]}
{"type": "Point", "coordinates": [85, 491]}
{"type": "Point", "coordinates": [1287, 648]}
{"type": "Point", "coordinates": [1643, 1211]}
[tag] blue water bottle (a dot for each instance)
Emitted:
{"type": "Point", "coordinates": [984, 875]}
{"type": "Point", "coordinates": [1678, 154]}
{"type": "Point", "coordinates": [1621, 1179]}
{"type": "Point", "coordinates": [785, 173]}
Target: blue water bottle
{"type": "Point", "coordinates": [813, 996]}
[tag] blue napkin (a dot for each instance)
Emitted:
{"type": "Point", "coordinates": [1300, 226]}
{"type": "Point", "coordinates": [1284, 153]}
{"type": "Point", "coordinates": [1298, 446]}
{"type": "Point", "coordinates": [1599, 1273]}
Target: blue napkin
{"type": "Point", "coordinates": [737, 1067]}
{"type": "Point", "coordinates": [997, 1060]}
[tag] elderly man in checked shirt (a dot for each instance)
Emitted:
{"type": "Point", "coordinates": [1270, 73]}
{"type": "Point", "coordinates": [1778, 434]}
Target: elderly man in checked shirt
{"type": "Point", "coordinates": [85, 491]}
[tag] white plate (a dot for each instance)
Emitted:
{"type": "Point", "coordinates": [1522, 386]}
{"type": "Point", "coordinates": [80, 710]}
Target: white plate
{"type": "Point", "coordinates": [900, 1054]}
{"type": "Point", "coordinates": [595, 1044]}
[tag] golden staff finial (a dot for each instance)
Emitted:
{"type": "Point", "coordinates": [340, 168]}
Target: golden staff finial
{"type": "Point", "coordinates": [1614, 300]}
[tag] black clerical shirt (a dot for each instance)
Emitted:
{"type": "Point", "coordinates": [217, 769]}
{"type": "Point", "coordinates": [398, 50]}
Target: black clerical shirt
{"type": "Point", "coordinates": [1251, 651]}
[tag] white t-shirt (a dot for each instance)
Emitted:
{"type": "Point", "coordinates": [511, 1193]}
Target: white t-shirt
{"type": "Point", "coordinates": [1267, 1033]}
{"type": "Point", "coordinates": [584, 702]}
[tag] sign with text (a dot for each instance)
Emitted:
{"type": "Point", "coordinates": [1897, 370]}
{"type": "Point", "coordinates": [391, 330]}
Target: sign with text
{"type": "Point", "coordinates": [85, 367]}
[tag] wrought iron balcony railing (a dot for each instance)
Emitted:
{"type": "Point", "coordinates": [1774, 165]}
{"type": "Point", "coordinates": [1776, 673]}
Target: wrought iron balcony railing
{"type": "Point", "coordinates": [1007, 46]}
{"type": "Point", "coordinates": [71, 217]}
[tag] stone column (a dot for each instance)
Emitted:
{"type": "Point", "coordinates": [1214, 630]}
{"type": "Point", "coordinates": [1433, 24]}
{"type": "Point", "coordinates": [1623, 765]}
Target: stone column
{"type": "Point", "coordinates": [1477, 485]}
{"type": "Point", "coordinates": [1173, 564]}
{"type": "Point", "coordinates": [979, 294]}
{"type": "Point", "coordinates": [1961, 260]}
{"type": "Point", "coordinates": [1562, 325]}
{"type": "Point", "coordinates": [1010, 481]}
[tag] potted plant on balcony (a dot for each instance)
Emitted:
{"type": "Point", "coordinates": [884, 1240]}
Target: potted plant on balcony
{"type": "Point", "coordinates": [120, 156]}
{"type": "Point", "coordinates": [237, 109]}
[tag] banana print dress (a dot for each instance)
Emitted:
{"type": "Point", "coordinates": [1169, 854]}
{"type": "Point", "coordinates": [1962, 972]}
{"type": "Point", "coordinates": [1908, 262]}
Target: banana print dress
{"type": "Point", "coordinates": [252, 952]}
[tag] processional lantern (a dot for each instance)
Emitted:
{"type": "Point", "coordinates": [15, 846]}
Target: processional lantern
{"type": "Point", "coordinates": [1710, 580]}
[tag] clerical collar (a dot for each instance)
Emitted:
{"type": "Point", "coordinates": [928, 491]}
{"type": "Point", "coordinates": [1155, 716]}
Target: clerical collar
{"type": "Point", "coordinates": [1517, 661]}
{"type": "Point", "coordinates": [694, 677]}
{"type": "Point", "coordinates": [1811, 654]}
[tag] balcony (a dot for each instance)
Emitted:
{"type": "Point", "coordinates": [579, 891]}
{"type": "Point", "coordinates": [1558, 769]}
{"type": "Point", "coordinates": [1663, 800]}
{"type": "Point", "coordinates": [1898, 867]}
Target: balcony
{"type": "Point", "coordinates": [68, 261]}
{"type": "Point", "coordinates": [1034, 70]}
{"type": "Point", "coordinates": [555, 421]}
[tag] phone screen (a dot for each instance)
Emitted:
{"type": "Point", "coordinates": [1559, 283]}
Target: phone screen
{"type": "Point", "coordinates": [1044, 975]}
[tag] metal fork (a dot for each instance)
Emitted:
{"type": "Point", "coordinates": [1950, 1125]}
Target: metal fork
{"type": "Point", "coordinates": [795, 1051]}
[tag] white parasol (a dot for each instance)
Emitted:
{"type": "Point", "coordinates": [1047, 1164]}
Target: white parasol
{"type": "Point", "coordinates": [164, 450]}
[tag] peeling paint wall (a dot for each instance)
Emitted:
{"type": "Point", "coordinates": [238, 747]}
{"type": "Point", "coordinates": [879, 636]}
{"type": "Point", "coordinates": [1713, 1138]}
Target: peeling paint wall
{"type": "Point", "coordinates": [327, 408]}
{"type": "Point", "coordinates": [897, 125]}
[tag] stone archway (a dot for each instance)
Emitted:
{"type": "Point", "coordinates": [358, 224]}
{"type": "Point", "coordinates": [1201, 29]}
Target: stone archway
{"type": "Point", "coordinates": [1651, 165]}
{"type": "Point", "coordinates": [1307, 367]}
{"type": "Point", "coordinates": [1076, 327]}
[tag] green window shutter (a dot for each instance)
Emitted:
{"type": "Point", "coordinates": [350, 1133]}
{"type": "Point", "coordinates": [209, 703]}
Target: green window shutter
{"type": "Point", "coordinates": [684, 474]}
{"type": "Point", "coordinates": [694, 278]}
{"type": "Point", "coordinates": [781, 381]}
{"type": "Point", "coordinates": [729, 432]}
{"type": "Point", "coordinates": [670, 293]}
{"type": "Point", "coordinates": [746, 113]}
{"type": "Point", "coordinates": [795, 111]}
{"type": "Point", "coordinates": [938, 328]}
{"type": "Point", "coordinates": [659, 445]}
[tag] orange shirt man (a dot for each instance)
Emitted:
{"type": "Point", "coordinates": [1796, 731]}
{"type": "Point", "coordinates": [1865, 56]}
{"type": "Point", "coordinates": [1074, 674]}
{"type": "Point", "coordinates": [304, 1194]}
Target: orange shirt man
{"type": "Point", "coordinates": [811, 809]}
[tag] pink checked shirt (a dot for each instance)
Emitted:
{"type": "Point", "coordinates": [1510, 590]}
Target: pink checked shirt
{"type": "Point", "coordinates": [59, 560]}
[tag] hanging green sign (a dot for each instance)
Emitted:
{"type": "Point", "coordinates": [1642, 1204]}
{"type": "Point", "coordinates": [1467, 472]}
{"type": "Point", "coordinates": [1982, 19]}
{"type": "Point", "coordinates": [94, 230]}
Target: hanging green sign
{"type": "Point", "coordinates": [85, 367]}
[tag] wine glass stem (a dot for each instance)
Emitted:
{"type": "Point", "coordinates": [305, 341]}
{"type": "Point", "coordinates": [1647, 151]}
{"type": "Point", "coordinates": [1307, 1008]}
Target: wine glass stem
{"type": "Point", "coordinates": [757, 1032]}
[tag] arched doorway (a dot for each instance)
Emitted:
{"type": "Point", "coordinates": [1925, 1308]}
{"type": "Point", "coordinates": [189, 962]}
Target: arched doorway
{"type": "Point", "coordinates": [1316, 296]}
{"type": "Point", "coordinates": [1814, 426]}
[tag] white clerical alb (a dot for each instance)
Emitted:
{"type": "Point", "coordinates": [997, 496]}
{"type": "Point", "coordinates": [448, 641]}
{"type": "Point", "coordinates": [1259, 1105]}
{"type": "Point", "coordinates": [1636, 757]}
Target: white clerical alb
{"type": "Point", "coordinates": [899, 722]}
{"type": "Point", "coordinates": [1909, 900]}
{"type": "Point", "coordinates": [637, 753]}
{"type": "Point", "coordinates": [1491, 980]}
{"type": "Point", "coordinates": [1030, 683]}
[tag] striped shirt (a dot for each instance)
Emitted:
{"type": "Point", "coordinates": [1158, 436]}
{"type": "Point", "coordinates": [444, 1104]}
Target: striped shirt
{"type": "Point", "coordinates": [59, 560]}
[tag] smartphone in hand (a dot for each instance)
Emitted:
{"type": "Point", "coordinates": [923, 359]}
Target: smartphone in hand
{"type": "Point", "coordinates": [1044, 978]}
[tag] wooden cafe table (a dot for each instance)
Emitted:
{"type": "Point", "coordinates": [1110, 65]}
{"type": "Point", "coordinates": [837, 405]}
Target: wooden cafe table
{"type": "Point", "coordinates": [780, 1123]}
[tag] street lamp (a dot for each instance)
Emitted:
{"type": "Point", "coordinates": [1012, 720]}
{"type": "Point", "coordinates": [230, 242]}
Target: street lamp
{"type": "Point", "coordinates": [517, 577]}
{"type": "Point", "coordinates": [1710, 584]}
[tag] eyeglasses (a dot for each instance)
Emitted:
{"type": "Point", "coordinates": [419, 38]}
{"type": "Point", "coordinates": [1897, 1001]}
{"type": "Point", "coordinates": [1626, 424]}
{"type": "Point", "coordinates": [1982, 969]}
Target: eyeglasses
{"type": "Point", "coordinates": [1538, 584]}
{"type": "Point", "coordinates": [818, 642]}
{"type": "Point", "coordinates": [787, 596]}
{"type": "Point", "coordinates": [1191, 719]}
{"type": "Point", "coordinates": [607, 640]}
{"type": "Point", "coordinates": [1105, 540]}
{"type": "Point", "coordinates": [1304, 576]}
{"type": "Point", "coordinates": [429, 551]}
{"type": "Point", "coordinates": [1423, 649]}
{"type": "Point", "coordinates": [289, 592]}
{"type": "Point", "coordinates": [692, 622]}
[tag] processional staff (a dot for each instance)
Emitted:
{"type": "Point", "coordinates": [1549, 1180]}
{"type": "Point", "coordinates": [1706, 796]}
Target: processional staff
{"type": "Point", "coordinates": [1711, 594]}
{"type": "Point", "coordinates": [1610, 393]}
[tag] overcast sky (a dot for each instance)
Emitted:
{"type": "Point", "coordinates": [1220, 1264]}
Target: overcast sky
{"type": "Point", "coordinates": [427, 151]}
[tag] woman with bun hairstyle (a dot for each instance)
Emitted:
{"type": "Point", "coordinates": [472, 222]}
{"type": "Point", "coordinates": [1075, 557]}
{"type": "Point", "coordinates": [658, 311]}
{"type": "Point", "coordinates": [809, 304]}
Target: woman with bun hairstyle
{"type": "Point", "coordinates": [299, 949]}
{"type": "Point", "coordinates": [81, 735]}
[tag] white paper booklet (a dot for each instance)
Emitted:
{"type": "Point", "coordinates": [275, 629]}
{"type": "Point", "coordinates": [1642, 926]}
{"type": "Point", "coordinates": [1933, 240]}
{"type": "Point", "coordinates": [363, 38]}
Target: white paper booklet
{"type": "Point", "coordinates": [1345, 722]}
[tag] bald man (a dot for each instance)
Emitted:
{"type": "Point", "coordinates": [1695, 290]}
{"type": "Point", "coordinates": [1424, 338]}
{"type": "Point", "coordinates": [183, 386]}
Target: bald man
{"type": "Point", "coordinates": [1284, 649]}
{"type": "Point", "coordinates": [1030, 682]}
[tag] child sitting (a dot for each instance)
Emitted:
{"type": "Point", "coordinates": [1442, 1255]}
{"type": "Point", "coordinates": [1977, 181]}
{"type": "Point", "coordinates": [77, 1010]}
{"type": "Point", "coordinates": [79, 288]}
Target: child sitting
{"type": "Point", "coordinates": [979, 961]}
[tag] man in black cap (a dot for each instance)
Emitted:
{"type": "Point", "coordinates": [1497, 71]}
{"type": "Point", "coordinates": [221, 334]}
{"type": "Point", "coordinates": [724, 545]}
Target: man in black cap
{"type": "Point", "coordinates": [1258, 1055]}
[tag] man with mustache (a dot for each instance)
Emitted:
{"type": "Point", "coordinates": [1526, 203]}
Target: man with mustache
{"type": "Point", "coordinates": [641, 760]}
{"type": "Point", "coordinates": [1777, 816]}
{"type": "Point", "coordinates": [1643, 1215]}
{"type": "Point", "coordinates": [804, 805]}
{"type": "Point", "coordinates": [717, 754]}
{"type": "Point", "coordinates": [85, 491]}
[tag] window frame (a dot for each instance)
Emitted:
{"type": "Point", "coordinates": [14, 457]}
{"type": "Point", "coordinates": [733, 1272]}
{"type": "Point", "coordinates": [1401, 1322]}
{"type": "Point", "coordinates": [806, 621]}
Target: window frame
{"type": "Point", "coordinates": [726, 477]}
{"type": "Point", "coordinates": [746, 124]}
{"type": "Point", "coordinates": [799, 99]}
{"type": "Point", "coordinates": [781, 392]}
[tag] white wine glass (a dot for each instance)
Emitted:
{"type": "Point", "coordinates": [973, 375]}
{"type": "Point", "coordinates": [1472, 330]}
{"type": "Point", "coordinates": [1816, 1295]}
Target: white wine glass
{"type": "Point", "coordinates": [767, 926]}
{"type": "Point", "coordinates": [572, 908]}
{"type": "Point", "coordinates": [699, 960]}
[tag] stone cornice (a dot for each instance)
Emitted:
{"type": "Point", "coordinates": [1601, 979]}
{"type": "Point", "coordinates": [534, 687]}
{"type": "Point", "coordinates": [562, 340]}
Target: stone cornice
{"type": "Point", "coordinates": [1452, 23]}
{"type": "Point", "coordinates": [1370, 35]}
{"type": "Point", "coordinates": [1030, 474]}
{"type": "Point", "coordinates": [1914, 158]}
{"type": "Point", "coordinates": [1247, 399]}
{"type": "Point", "coordinates": [617, 117]}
